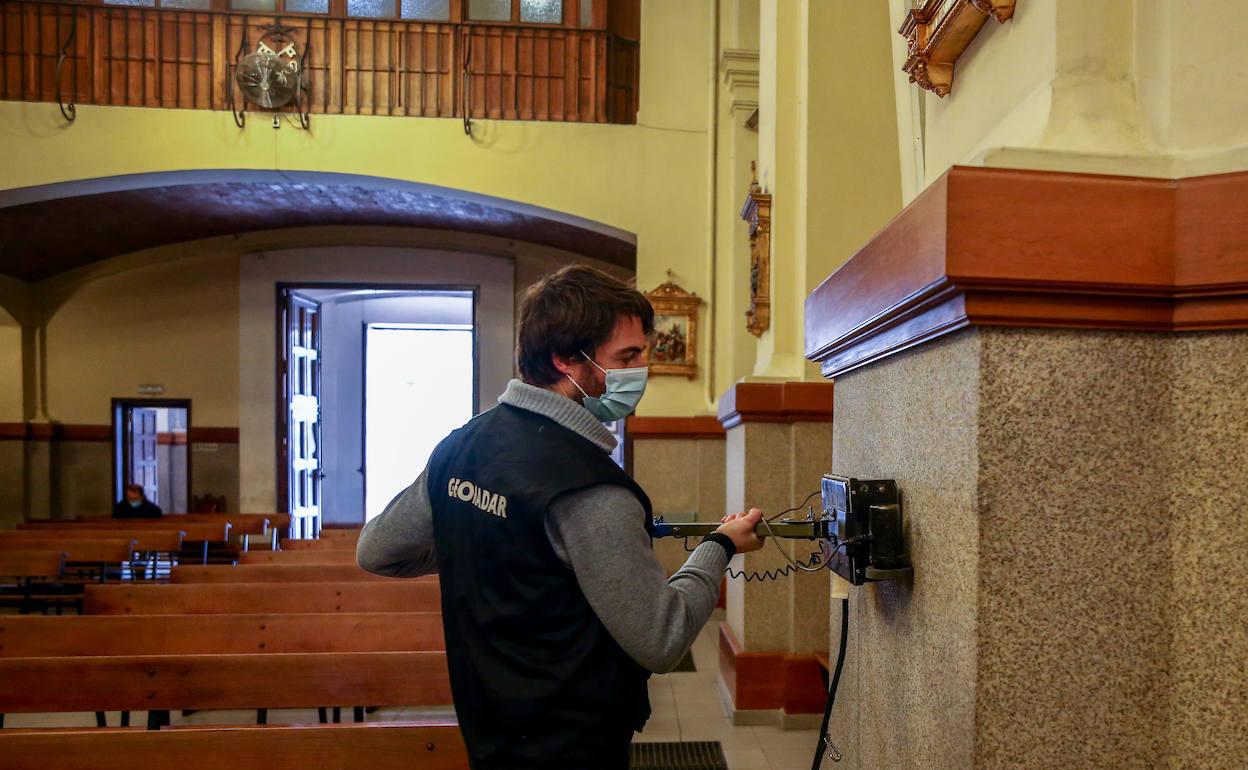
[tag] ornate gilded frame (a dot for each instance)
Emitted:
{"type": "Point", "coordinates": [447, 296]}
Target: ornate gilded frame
{"type": "Point", "coordinates": [673, 306]}
{"type": "Point", "coordinates": [938, 31]}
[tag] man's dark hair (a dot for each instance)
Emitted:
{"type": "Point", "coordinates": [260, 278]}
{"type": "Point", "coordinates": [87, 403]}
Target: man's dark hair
{"type": "Point", "coordinates": [135, 488]}
{"type": "Point", "coordinates": [572, 310]}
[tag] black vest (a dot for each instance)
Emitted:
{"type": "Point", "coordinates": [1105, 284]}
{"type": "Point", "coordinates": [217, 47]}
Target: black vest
{"type": "Point", "coordinates": [537, 679]}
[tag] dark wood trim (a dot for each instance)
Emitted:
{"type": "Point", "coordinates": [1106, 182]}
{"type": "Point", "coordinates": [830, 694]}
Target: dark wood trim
{"type": "Point", "coordinates": [775, 402]}
{"type": "Point", "coordinates": [702, 426]}
{"type": "Point", "coordinates": [770, 680]}
{"type": "Point", "coordinates": [207, 435]}
{"type": "Point", "coordinates": [1004, 247]}
{"type": "Point", "coordinates": [14, 431]}
{"type": "Point", "coordinates": [22, 431]}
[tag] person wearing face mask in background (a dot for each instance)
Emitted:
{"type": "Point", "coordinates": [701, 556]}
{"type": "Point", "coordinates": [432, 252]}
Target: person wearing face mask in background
{"type": "Point", "coordinates": [135, 505]}
{"type": "Point", "coordinates": [554, 606]}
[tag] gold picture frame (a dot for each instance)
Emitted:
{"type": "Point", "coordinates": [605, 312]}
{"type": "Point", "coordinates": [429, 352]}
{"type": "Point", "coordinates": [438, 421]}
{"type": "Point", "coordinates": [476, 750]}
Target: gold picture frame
{"type": "Point", "coordinates": [674, 346]}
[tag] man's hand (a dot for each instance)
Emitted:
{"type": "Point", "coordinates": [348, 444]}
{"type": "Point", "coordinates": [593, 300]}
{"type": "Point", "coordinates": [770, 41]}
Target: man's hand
{"type": "Point", "coordinates": [740, 528]}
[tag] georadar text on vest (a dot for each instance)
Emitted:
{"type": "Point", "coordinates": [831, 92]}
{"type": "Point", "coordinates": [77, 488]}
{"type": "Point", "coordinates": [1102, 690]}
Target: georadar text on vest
{"type": "Point", "coordinates": [482, 498]}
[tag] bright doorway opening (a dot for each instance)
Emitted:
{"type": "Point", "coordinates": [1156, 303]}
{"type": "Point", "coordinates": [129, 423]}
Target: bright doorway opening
{"type": "Point", "coordinates": [418, 388]}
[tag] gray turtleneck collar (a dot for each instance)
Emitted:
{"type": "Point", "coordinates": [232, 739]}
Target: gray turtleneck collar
{"type": "Point", "coordinates": [559, 408]}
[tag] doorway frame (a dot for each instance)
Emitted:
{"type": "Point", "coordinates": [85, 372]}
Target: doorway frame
{"type": "Point", "coordinates": [282, 402]}
{"type": "Point", "coordinates": [118, 436]}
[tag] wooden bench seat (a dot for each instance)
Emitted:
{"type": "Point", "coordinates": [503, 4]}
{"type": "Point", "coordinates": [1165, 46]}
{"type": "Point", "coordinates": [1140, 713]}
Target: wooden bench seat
{"type": "Point", "coordinates": [145, 540]}
{"type": "Point", "coordinates": [25, 575]}
{"type": "Point", "coordinates": [428, 745]}
{"type": "Point", "coordinates": [86, 561]}
{"type": "Point", "coordinates": [274, 573]}
{"type": "Point", "coordinates": [298, 557]}
{"type": "Point", "coordinates": [421, 595]}
{"type": "Point", "coordinates": [249, 681]}
{"type": "Point", "coordinates": [326, 544]}
{"type": "Point", "coordinates": [215, 532]}
{"type": "Point", "coordinates": [111, 635]}
{"type": "Point", "coordinates": [86, 551]}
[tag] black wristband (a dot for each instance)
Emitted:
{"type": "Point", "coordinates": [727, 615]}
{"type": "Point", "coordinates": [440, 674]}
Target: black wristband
{"type": "Point", "coordinates": [725, 541]}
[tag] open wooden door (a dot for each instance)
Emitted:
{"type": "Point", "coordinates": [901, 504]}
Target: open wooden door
{"type": "Point", "coordinates": [141, 435]}
{"type": "Point", "coordinates": [301, 374]}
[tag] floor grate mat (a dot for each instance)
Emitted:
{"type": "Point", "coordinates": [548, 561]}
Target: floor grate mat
{"type": "Point", "coordinates": [686, 755]}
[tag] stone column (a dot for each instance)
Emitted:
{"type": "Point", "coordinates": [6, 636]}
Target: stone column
{"type": "Point", "coordinates": [1060, 394]}
{"type": "Point", "coordinates": [775, 628]}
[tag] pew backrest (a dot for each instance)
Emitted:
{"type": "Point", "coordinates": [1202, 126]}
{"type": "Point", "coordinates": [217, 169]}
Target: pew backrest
{"type": "Point", "coordinates": [328, 544]}
{"type": "Point", "coordinates": [281, 680]}
{"type": "Point", "coordinates": [273, 573]}
{"type": "Point", "coordinates": [44, 564]}
{"type": "Point", "coordinates": [431, 745]}
{"type": "Point", "coordinates": [101, 551]}
{"type": "Point", "coordinates": [38, 636]}
{"type": "Point", "coordinates": [251, 598]}
{"type": "Point", "coordinates": [162, 540]}
{"type": "Point", "coordinates": [216, 532]}
{"type": "Point", "coordinates": [290, 558]}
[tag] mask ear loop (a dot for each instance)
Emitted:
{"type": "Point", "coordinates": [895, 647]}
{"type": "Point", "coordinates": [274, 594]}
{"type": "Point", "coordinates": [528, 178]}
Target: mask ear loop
{"type": "Point", "coordinates": [592, 361]}
{"type": "Point", "coordinates": [577, 384]}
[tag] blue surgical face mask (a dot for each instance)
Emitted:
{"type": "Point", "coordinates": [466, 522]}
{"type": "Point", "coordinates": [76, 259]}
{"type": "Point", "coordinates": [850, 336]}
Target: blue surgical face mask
{"type": "Point", "coordinates": [625, 387]}
{"type": "Point", "coordinates": [135, 503]}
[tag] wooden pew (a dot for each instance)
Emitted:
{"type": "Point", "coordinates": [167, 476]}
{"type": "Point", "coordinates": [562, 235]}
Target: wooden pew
{"type": "Point", "coordinates": [206, 537]}
{"type": "Point", "coordinates": [26, 570]}
{"type": "Point", "coordinates": [145, 540]}
{"type": "Point", "coordinates": [345, 533]}
{"type": "Point", "coordinates": [92, 553]}
{"type": "Point", "coordinates": [330, 544]}
{"type": "Point", "coordinates": [426, 745]}
{"type": "Point", "coordinates": [274, 573]}
{"type": "Point", "coordinates": [290, 558]}
{"type": "Point", "coordinates": [160, 683]}
{"type": "Point", "coordinates": [421, 595]}
{"type": "Point", "coordinates": [217, 532]}
{"type": "Point", "coordinates": [37, 636]}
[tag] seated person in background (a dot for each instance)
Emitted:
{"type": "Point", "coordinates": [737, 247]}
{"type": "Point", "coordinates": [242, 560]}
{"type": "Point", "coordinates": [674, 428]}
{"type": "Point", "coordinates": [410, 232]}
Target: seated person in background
{"type": "Point", "coordinates": [135, 505]}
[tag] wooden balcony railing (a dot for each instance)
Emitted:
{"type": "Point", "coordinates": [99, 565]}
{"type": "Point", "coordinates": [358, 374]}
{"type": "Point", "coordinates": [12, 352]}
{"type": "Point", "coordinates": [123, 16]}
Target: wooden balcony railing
{"type": "Point", "coordinates": [156, 57]}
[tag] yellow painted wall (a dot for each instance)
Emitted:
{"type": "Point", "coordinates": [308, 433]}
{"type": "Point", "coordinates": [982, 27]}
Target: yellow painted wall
{"type": "Point", "coordinates": [652, 179]}
{"type": "Point", "coordinates": [853, 183]}
{"type": "Point", "coordinates": [171, 323]}
{"type": "Point", "coordinates": [1126, 87]}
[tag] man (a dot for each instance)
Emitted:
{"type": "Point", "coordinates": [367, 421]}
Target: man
{"type": "Point", "coordinates": [135, 505]}
{"type": "Point", "coordinates": [554, 606]}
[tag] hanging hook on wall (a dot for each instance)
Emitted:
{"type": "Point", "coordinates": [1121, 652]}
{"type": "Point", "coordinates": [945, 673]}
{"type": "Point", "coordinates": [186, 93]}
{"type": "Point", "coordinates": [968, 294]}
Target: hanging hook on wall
{"type": "Point", "coordinates": [68, 111]}
{"type": "Point", "coordinates": [467, 83]}
{"type": "Point", "coordinates": [303, 96]}
{"type": "Point", "coordinates": [240, 115]}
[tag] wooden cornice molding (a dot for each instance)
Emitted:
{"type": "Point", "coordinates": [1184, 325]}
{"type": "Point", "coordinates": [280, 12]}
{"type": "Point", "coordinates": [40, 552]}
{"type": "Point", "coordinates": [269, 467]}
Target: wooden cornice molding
{"type": "Point", "coordinates": [701, 427]}
{"type": "Point", "coordinates": [939, 31]}
{"type": "Point", "coordinates": [1005, 247]}
{"type": "Point", "coordinates": [775, 402]}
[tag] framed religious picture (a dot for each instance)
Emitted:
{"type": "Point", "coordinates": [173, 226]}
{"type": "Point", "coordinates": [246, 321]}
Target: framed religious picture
{"type": "Point", "coordinates": [674, 349]}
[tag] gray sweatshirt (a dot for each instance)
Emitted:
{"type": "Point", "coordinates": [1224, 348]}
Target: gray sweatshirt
{"type": "Point", "coordinates": [598, 532]}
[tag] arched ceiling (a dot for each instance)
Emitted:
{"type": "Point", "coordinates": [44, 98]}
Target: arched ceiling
{"type": "Point", "coordinates": [47, 230]}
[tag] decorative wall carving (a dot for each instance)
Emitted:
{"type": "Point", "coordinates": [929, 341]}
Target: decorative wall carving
{"type": "Point", "coordinates": [757, 212]}
{"type": "Point", "coordinates": [938, 31]}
